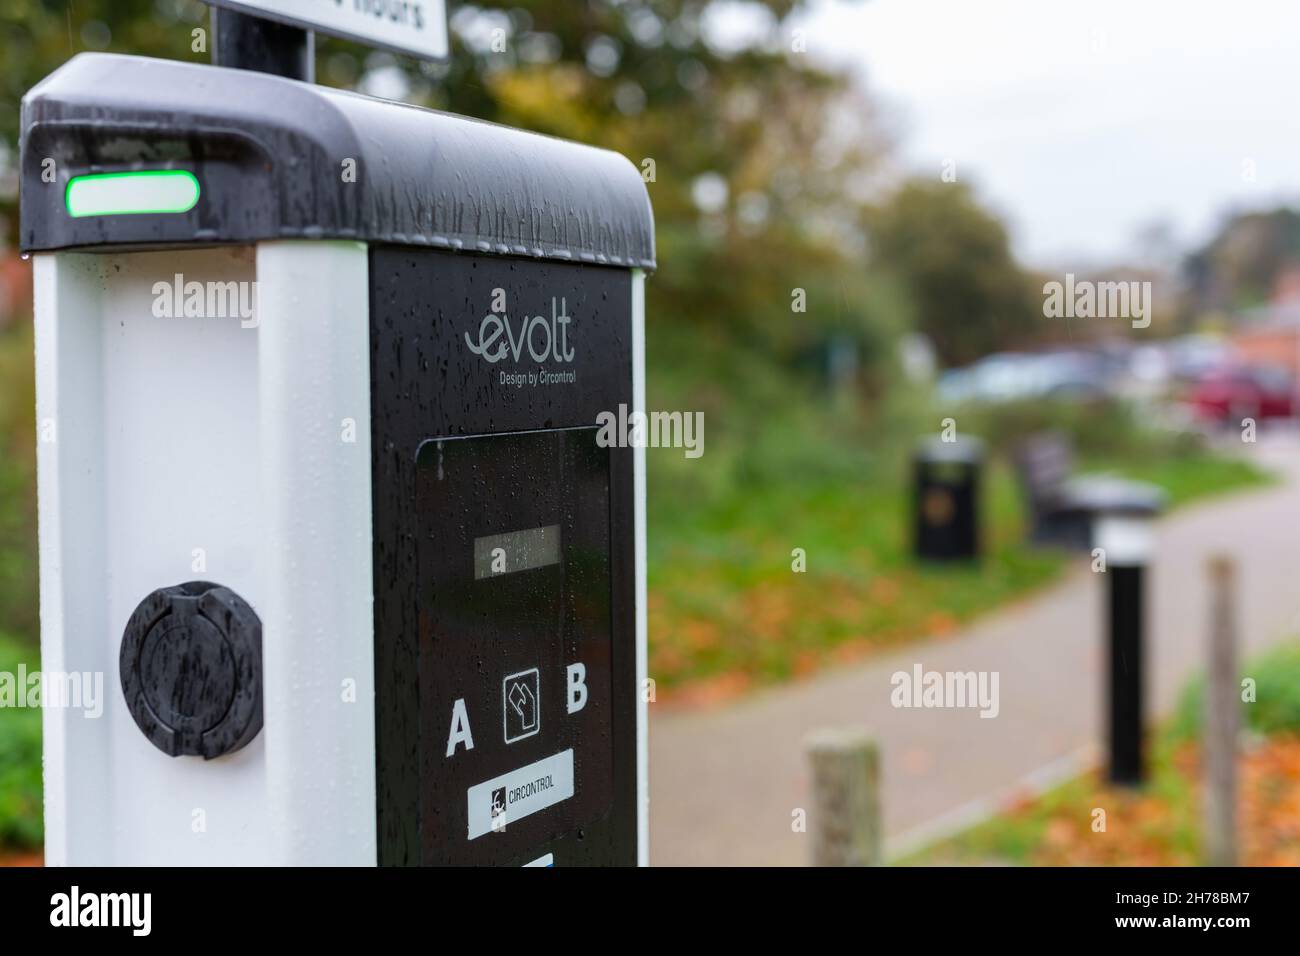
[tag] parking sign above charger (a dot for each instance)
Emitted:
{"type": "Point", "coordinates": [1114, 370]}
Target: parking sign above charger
{"type": "Point", "coordinates": [416, 27]}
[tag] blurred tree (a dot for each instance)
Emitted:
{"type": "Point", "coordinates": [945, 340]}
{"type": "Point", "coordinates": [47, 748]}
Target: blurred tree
{"type": "Point", "coordinates": [1240, 265]}
{"type": "Point", "coordinates": [972, 298]}
{"type": "Point", "coordinates": [751, 149]}
{"type": "Point", "coordinates": [38, 35]}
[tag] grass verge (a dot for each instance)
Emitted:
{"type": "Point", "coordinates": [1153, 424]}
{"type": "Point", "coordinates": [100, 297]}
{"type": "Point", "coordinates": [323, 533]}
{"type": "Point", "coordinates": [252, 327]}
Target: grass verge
{"type": "Point", "coordinates": [1160, 825]}
{"type": "Point", "coordinates": [728, 613]}
{"type": "Point", "coordinates": [20, 757]}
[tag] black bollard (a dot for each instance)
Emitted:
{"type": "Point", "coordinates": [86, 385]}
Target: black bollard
{"type": "Point", "coordinates": [1127, 546]}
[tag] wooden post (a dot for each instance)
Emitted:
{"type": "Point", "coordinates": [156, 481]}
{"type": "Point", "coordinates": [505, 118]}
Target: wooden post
{"type": "Point", "coordinates": [844, 821]}
{"type": "Point", "coordinates": [1222, 714]}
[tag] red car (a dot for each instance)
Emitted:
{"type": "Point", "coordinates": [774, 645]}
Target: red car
{"type": "Point", "coordinates": [1244, 391]}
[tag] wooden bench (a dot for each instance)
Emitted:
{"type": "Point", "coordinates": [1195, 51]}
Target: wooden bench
{"type": "Point", "coordinates": [1063, 509]}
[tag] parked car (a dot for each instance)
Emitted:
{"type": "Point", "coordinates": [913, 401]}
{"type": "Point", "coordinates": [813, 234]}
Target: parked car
{"type": "Point", "coordinates": [1191, 357]}
{"type": "Point", "coordinates": [1011, 376]}
{"type": "Point", "coordinates": [1231, 393]}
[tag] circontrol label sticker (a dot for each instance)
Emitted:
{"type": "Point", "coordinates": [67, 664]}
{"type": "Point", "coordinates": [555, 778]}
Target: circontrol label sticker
{"type": "Point", "coordinates": [512, 796]}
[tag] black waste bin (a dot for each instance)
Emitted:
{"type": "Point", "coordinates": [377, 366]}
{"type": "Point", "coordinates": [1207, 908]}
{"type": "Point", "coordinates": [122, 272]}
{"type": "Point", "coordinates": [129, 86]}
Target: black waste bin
{"type": "Point", "coordinates": [945, 500]}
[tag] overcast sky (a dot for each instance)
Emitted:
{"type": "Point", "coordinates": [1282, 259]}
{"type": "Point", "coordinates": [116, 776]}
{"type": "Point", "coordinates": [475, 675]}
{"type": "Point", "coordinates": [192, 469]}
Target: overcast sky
{"type": "Point", "coordinates": [1082, 122]}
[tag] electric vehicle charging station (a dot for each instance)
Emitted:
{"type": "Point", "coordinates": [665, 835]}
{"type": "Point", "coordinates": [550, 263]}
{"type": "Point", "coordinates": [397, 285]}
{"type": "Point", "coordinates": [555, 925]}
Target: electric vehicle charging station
{"type": "Point", "coordinates": [320, 490]}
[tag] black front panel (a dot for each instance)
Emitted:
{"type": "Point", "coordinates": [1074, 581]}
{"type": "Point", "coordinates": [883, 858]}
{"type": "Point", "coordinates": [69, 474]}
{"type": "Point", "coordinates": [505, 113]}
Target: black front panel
{"type": "Point", "coordinates": [504, 579]}
{"type": "Point", "coordinates": [516, 604]}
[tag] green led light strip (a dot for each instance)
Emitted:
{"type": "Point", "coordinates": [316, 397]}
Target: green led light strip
{"type": "Point", "coordinates": [124, 194]}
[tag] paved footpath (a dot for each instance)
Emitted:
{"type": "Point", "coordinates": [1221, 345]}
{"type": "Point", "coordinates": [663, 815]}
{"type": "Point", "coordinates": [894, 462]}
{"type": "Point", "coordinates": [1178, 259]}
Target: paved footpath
{"type": "Point", "coordinates": [724, 782]}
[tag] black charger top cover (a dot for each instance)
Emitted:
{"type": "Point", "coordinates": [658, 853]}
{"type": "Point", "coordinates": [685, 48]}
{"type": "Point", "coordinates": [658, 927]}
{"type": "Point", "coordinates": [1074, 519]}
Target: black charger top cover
{"type": "Point", "coordinates": [282, 159]}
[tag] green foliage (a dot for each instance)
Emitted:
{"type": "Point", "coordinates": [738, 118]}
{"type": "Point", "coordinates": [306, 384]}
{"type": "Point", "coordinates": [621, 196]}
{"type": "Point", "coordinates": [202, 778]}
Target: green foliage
{"type": "Point", "coordinates": [1114, 436]}
{"type": "Point", "coordinates": [633, 76]}
{"type": "Point", "coordinates": [753, 123]}
{"type": "Point", "coordinates": [770, 411]}
{"type": "Point", "coordinates": [1187, 476]}
{"type": "Point", "coordinates": [832, 478]}
{"type": "Point", "coordinates": [727, 605]}
{"type": "Point", "coordinates": [972, 298]}
{"type": "Point", "coordinates": [1054, 829]}
{"type": "Point", "coordinates": [1161, 824]}
{"type": "Point", "coordinates": [18, 584]}
{"type": "Point", "coordinates": [787, 143]}
{"type": "Point", "coordinates": [1105, 428]}
{"type": "Point", "coordinates": [20, 730]}
{"type": "Point", "coordinates": [1276, 708]}
{"type": "Point", "coordinates": [38, 35]}
{"type": "Point", "coordinates": [20, 759]}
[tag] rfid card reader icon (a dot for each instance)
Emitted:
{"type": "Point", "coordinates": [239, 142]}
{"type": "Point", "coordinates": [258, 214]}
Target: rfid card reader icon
{"type": "Point", "coordinates": [521, 705]}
